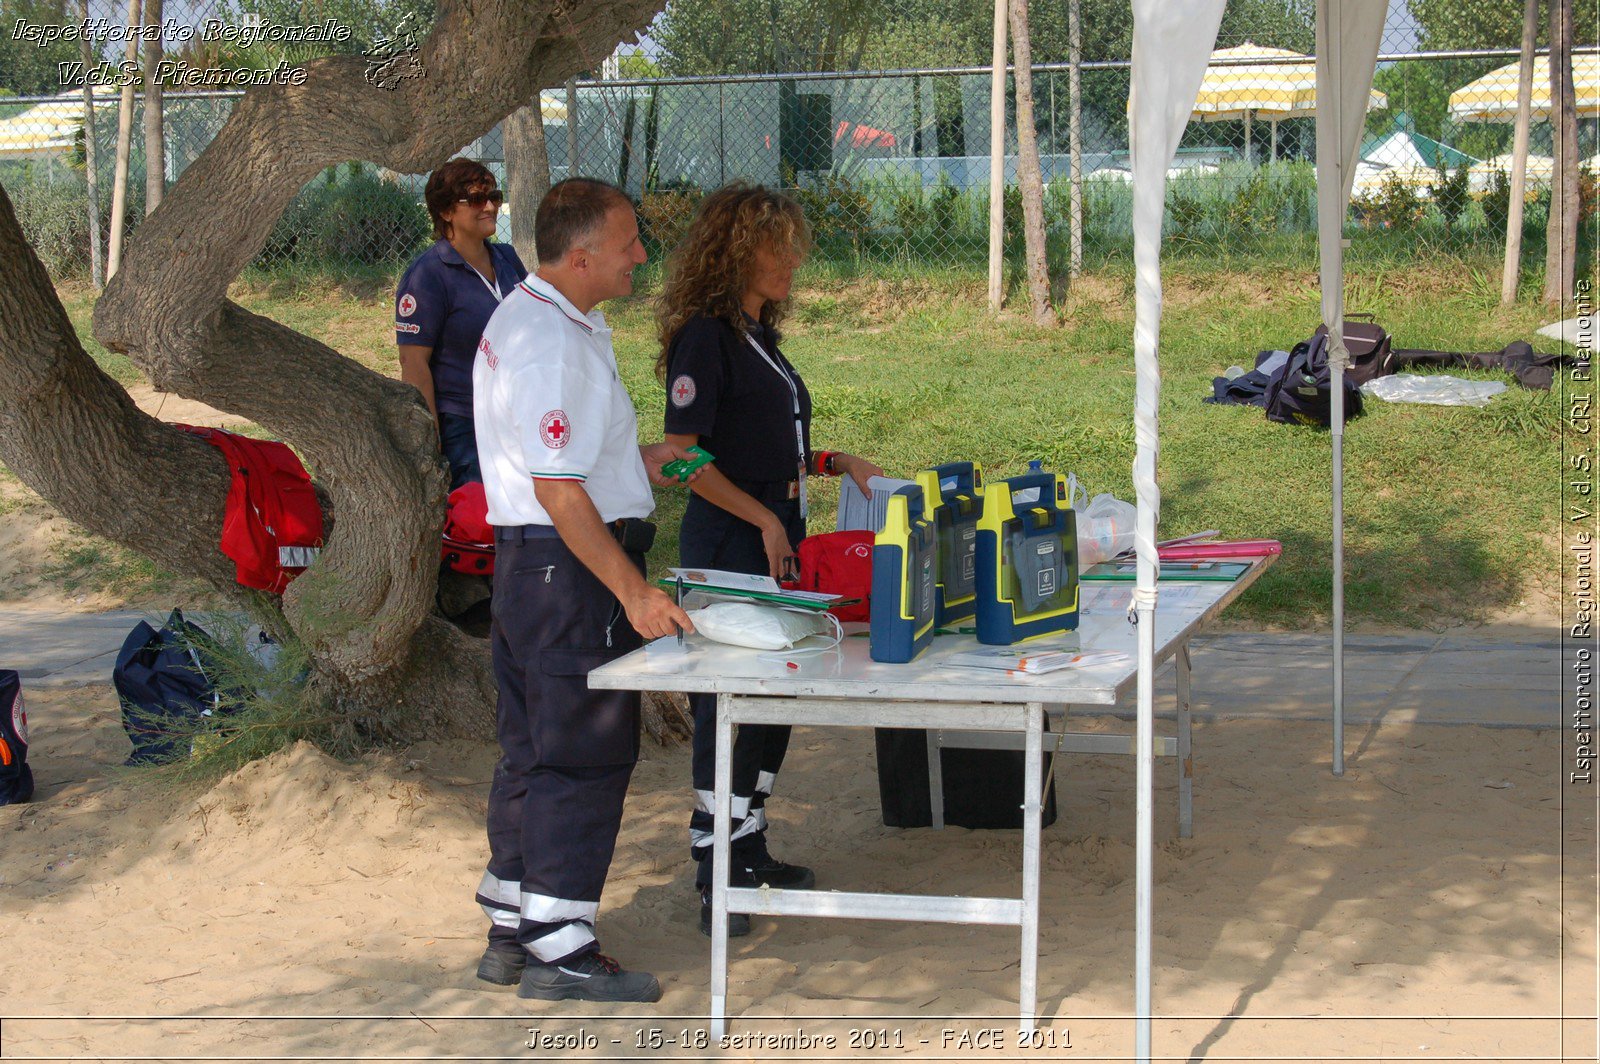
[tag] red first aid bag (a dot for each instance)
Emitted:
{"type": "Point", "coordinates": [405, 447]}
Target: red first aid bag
{"type": "Point", "coordinates": [272, 522]}
{"type": "Point", "coordinates": [468, 541]}
{"type": "Point", "coordinates": [839, 563]}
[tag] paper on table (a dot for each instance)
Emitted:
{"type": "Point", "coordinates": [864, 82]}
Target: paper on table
{"type": "Point", "coordinates": [1111, 599]}
{"type": "Point", "coordinates": [857, 512]}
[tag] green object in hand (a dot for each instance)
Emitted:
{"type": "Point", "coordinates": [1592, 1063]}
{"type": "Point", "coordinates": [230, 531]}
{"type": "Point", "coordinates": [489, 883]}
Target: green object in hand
{"type": "Point", "coordinates": [682, 468]}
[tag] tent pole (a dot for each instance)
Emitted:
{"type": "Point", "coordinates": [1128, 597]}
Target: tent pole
{"type": "Point", "coordinates": [1337, 419]}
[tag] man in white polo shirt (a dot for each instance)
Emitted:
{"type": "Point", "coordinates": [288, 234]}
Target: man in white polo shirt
{"type": "Point", "coordinates": [568, 492]}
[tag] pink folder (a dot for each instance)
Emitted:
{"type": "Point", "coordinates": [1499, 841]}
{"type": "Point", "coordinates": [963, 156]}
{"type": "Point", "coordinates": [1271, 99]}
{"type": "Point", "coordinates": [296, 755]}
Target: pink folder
{"type": "Point", "coordinates": [1239, 548]}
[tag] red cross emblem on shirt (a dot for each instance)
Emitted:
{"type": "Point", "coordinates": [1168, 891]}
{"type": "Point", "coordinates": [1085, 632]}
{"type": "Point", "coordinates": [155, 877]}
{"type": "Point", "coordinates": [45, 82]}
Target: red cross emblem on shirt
{"type": "Point", "coordinates": [683, 391]}
{"type": "Point", "coordinates": [554, 429]}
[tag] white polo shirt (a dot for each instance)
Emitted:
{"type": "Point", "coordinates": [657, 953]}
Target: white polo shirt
{"type": "Point", "coordinates": [548, 404]}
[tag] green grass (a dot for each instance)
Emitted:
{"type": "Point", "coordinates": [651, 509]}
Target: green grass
{"type": "Point", "coordinates": [1447, 510]}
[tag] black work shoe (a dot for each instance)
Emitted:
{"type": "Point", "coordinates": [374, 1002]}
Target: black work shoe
{"type": "Point", "coordinates": [591, 977]}
{"type": "Point", "coordinates": [738, 923]}
{"type": "Point", "coordinates": [503, 967]}
{"type": "Point", "coordinates": [764, 870]}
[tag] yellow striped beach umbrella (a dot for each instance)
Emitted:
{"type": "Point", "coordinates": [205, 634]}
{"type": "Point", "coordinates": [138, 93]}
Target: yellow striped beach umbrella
{"type": "Point", "coordinates": [1493, 97]}
{"type": "Point", "coordinates": [1236, 88]}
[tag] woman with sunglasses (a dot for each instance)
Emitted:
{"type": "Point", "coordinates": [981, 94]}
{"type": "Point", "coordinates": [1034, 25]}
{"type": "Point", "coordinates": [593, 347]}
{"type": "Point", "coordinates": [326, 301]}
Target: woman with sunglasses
{"type": "Point", "coordinates": [445, 299]}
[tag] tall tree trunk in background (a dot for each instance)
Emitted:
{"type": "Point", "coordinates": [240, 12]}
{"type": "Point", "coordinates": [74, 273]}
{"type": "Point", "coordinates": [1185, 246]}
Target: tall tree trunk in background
{"type": "Point", "coordinates": [1519, 155]}
{"type": "Point", "coordinates": [1075, 131]}
{"type": "Point", "coordinates": [572, 127]}
{"type": "Point", "coordinates": [1561, 232]}
{"type": "Point", "coordinates": [1029, 175]}
{"type": "Point", "coordinates": [119, 188]}
{"type": "Point", "coordinates": [155, 143]}
{"type": "Point", "coordinates": [527, 175]}
{"type": "Point", "coordinates": [997, 160]}
{"type": "Point", "coordinates": [91, 170]}
{"type": "Point", "coordinates": [364, 610]}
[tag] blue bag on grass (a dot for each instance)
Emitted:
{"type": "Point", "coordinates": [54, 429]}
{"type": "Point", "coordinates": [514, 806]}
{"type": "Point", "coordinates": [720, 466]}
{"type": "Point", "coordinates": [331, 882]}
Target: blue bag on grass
{"type": "Point", "coordinates": [16, 778]}
{"type": "Point", "coordinates": [163, 688]}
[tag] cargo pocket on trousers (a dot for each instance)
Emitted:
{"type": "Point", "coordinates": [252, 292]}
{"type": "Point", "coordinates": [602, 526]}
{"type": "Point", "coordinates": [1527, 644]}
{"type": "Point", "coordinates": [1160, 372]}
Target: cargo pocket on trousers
{"type": "Point", "coordinates": [574, 727]}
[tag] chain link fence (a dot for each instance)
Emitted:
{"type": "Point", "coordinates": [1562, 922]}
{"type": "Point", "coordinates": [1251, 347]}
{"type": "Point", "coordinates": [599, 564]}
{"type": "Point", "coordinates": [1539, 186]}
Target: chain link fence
{"type": "Point", "coordinates": [891, 167]}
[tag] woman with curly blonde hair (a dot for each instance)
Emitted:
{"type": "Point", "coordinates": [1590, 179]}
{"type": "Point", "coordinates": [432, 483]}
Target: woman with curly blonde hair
{"type": "Point", "coordinates": [731, 391]}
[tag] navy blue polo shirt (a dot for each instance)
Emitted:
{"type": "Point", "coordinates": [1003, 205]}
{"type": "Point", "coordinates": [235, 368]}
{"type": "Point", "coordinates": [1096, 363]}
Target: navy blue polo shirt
{"type": "Point", "coordinates": [444, 303]}
{"type": "Point", "coordinates": [721, 389]}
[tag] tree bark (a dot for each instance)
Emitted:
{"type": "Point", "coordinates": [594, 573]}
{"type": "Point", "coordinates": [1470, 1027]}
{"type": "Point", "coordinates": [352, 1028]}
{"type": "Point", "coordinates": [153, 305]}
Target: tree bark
{"type": "Point", "coordinates": [997, 160]}
{"type": "Point", "coordinates": [155, 141]}
{"type": "Point", "coordinates": [91, 170]}
{"type": "Point", "coordinates": [1029, 175]}
{"type": "Point", "coordinates": [1561, 230]}
{"type": "Point", "coordinates": [527, 175]}
{"type": "Point", "coordinates": [1519, 155]}
{"type": "Point", "coordinates": [119, 187]}
{"type": "Point", "coordinates": [363, 611]}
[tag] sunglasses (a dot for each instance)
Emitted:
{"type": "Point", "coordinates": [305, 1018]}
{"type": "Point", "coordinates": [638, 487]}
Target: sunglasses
{"type": "Point", "coordinates": [478, 200]}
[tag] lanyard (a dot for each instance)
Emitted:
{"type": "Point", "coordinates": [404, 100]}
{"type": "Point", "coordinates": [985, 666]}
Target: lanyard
{"type": "Point", "coordinates": [494, 289]}
{"type": "Point", "coordinates": [799, 428]}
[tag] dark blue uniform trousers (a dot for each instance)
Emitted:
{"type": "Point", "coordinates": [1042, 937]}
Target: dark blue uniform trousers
{"type": "Point", "coordinates": [713, 538]}
{"type": "Point", "coordinates": [567, 752]}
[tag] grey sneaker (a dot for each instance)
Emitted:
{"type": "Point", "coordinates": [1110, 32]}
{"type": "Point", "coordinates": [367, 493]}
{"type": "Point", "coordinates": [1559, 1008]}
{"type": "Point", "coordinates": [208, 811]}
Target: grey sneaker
{"type": "Point", "coordinates": [591, 977]}
{"type": "Point", "coordinates": [503, 967]}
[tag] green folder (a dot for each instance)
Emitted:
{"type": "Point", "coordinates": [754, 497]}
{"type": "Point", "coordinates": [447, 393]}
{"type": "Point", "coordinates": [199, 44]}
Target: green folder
{"type": "Point", "coordinates": [1197, 570]}
{"type": "Point", "coordinates": [777, 598]}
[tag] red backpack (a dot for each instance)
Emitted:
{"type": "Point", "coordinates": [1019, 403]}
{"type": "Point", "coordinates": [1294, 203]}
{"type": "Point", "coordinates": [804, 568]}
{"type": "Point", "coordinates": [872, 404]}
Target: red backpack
{"type": "Point", "coordinates": [839, 563]}
{"type": "Point", "coordinates": [468, 545]}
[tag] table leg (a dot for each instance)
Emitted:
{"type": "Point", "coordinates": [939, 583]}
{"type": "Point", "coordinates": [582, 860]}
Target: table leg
{"type": "Point", "coordinates": [721, 859]}
{"type": "Point", "coordinates": [935, 779]}
{"type": "Point", "coordinates": [1185, 755]}
{"type": "Point", "coordinates": [1031, 809]}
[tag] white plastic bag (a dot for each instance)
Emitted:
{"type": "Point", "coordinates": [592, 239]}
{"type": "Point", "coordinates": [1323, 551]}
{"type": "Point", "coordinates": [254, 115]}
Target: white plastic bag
{"type": "Point", "coordinates": [1435, 389]}
{"type": "Point", "coordinates": [748, 624]}
{"type": "Point", "coordinates": [1105, 529]}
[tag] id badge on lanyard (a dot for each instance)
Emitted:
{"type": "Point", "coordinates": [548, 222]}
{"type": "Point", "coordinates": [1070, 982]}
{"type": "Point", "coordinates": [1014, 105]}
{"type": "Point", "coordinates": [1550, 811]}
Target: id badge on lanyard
{"type": "Point", "coordinates": [799, 428]}
{"type": "Point", "coordinates": [494, 289]}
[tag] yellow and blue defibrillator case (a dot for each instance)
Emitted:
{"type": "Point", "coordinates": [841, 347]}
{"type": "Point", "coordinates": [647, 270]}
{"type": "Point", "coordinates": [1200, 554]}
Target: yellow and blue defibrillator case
{"type": "Point", "coordinates": [1027, 560]}
{"type": "Point", "coordinates": [904, 560]}
{"type": "Point", "coordinates": [955, 490]}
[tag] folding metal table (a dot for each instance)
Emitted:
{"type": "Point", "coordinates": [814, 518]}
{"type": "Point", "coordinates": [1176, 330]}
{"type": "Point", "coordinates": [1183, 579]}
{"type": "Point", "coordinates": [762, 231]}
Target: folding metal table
{"type": "Point", "coordinates": [961, 706]}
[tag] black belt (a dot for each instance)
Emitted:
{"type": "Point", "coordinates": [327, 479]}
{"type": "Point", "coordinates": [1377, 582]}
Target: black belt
{"type": "Point", "coordinates": [633, 534]}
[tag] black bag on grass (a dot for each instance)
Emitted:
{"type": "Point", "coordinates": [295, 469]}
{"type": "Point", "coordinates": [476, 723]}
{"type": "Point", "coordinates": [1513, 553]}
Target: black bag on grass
{"type": "Point", "coordinates": [1301, 393]}
{"type": "Point", "coordinates": [163, 688]}
{"type": "Point", "coordinates": [16, 778]}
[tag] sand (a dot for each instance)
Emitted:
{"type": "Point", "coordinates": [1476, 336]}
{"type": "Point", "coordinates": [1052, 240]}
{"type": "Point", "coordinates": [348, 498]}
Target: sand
{"type": "Point", "coordinates": [307, 907]}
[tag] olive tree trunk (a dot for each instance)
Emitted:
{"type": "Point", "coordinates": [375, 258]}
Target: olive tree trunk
{"type": "Point", "coordinates": [1561, 231]}
{"type": "Point", "coordinates": [527, 175]}
{"type": "Point", "coordinates": [1029, 176]}
{"type": "Point", "coordinates": [364, 610]}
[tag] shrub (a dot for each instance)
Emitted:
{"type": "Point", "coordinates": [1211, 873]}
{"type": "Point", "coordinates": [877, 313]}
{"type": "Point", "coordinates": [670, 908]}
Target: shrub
{"type": "Point", "coordinates": [359, 219]}
{"type": "Point", "coordinates": [664, 213]}
{"type": "Point", "coordinates": [54, 218]}
{"type": "Point", "coordinates": [1450, 195]}
{"type": "Point", "coordinates": [1395, 205]}
{"type": "Point", "coordinates": [1496, 202]}
{"type": "Point", "coordinates": [839, 210]}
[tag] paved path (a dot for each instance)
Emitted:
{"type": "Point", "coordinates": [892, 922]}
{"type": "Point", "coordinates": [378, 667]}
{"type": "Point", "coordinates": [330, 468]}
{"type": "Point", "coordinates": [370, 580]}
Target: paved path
{"type": "Point", "coordinates": [1498, 678]}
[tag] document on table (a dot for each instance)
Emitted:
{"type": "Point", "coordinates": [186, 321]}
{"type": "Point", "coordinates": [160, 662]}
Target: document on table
{"type": "Point", "coordinates": [1112, 599]}
{"type": "Point", "coordinates": [856, 511]}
